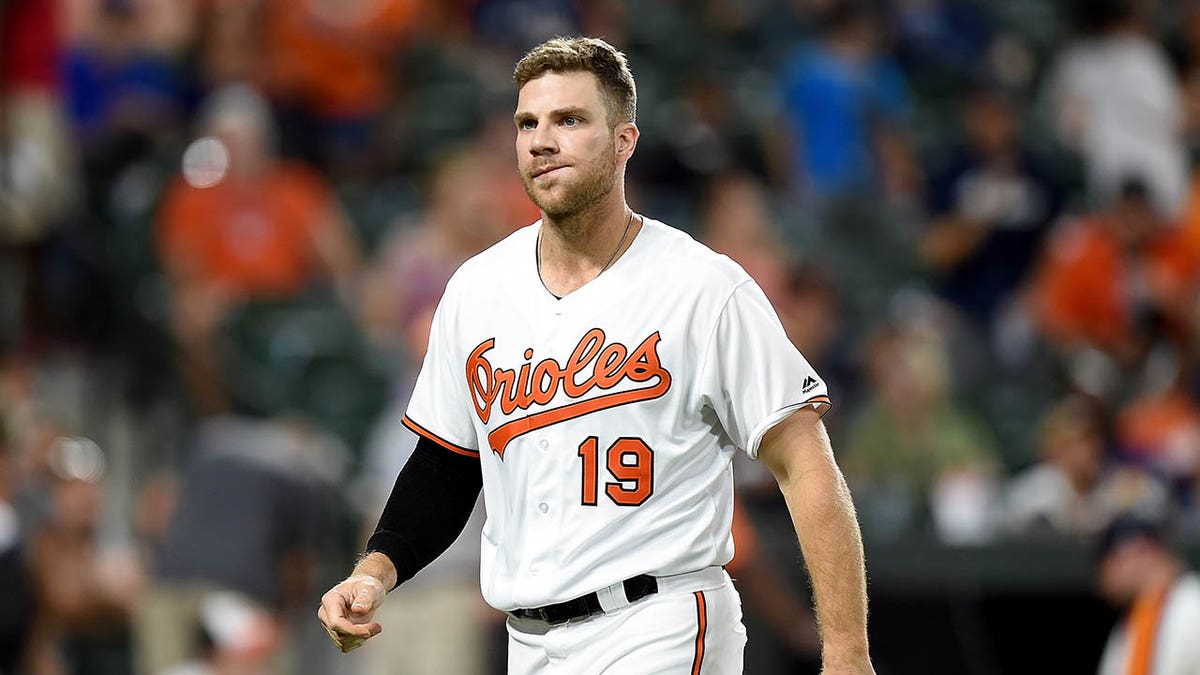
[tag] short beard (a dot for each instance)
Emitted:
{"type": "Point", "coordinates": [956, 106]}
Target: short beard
{"type": "Point", "coordinates": [596, 182]}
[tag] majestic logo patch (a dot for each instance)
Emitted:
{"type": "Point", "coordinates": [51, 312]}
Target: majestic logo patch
{"type": "Point", "coordinates": [810, 383]}
{"type": "Point", "coordinates": [593, 365]}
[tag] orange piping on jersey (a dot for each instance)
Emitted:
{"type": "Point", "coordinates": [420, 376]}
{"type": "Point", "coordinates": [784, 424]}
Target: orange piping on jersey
{"type": "Point", "coordinates": [702, 620]}
{"type": "Point", "coordinates": [1144, 620]}
{"type": "Point", "coordinates": [818, 399]}
{"type": "Point", "coordinates": [422, 431]}
{"type": "Point", "coordinates": [604, 365]}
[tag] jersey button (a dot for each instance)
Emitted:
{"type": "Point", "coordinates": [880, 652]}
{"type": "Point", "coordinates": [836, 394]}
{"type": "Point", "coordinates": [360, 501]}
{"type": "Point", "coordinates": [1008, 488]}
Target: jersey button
{"type": "Point", "coordinates": [544, 443]}
{"type": "Point", "coordinates": [543, 507]}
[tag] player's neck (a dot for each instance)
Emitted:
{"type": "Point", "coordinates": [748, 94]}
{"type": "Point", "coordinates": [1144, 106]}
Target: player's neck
{"type": "Point", "coordinates": [575, 250]}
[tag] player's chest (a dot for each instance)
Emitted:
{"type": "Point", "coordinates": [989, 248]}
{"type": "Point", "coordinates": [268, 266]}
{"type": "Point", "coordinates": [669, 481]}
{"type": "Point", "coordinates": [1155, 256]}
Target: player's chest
{"type": "Point", "coordinates": [536, 369]}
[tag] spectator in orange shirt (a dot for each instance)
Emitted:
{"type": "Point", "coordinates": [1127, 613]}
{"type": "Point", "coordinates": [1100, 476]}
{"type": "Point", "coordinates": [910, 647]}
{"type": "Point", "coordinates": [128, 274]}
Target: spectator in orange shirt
{"type": "Point", "coordinates": [240, 225]}
{"type": "Point", "coordinates": [1109, 278]}
{"type": "Point", "coordinates": [1161, 429]}
{"type": "Point", "coordinates": [329, 63]}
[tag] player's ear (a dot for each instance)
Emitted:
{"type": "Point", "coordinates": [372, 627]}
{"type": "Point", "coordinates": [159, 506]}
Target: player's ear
{"type": "Point", "coordinates": [626, 138]}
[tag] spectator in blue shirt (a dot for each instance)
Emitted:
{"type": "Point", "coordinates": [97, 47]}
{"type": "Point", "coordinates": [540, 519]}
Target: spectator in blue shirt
{"type": "Point", "coordinates": [845, 106]}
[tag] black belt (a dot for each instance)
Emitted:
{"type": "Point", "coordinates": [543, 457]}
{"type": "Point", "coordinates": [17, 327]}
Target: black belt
{"type": "Point", "coordinates": [582, 607]}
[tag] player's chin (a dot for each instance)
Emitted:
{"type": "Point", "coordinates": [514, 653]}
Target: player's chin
{"type": "Point", "coordinates": [551, 202]}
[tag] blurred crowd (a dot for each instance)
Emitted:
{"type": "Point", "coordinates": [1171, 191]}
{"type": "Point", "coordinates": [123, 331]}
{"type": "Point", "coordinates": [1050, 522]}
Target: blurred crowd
{"type": "Point", "coordinates": [225, 224]}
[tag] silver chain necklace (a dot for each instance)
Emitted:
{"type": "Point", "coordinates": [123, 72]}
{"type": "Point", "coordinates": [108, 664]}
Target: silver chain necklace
{"type": "Point", "coordinates": [538, 254]}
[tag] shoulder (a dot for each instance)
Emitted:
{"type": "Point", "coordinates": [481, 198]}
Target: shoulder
{"type": "Point", "coordinates": [1187, 592]}
{"type": "Point", "coordinates": [496, 261]}
{"type": "Point", "coordinates": [1179, 622]}
{"type": "Point", "coordinates": [676, 255]}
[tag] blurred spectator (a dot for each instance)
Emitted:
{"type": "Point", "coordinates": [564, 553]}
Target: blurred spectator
{"type": "Point", "coordinates": [1114, 279]}
{"type": "Point", "coordinates": [464, 216]}
{"type": "Point", "coordinates": [1186, 51]}
{"type": "Point", "coordinates": [241, 225]}
{"type": "Point", "coordinates": [809, 312]}
{"type": "Point", "coordinates": [329, 65]}
{"type": "Point", "coordinates": [736, 220]}
{"type": "Point", "coordinates": [1161, 430]}
{"type": "Point", "coordinates": [845, 105]}
{"type": "Point", "coordinates": [1073, 490]}
{"type": "Point", "coordinates": [228, 43]}
{"type": "Point", "coordinates": [36, 165]}
{"type": "Point", "coordinates": [236, 638]}
{"type": "Point", "coordinates": [990, 206]}
{"type": "Point", "coordinates": [86, 591]}
{"type": "Point", "coordinates": [124, 67]}
{"type": "Point", "coordinates": [506, 23]}
{"type": "Point", "coordinates": [713, 134]}
{"type": "Point", "coordinates": [1139, 573]}
{"type": "Point", "coordinates": [1191, 213]}
{"type": "Point", "coordinates": [949, 36]}
{"type": "Point", "coordinates": [912, 453]}
{"type": "Point", "coordinates": [254, 519]}
{"type": "Point", "coordinates": [1116, 101]}
{"type": "Point", "coordinates": [812, 315]}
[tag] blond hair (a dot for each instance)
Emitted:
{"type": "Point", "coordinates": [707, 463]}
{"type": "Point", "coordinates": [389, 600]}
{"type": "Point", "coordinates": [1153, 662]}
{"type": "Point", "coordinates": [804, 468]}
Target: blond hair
{"type": "Point", "coordinates": [589, 55]}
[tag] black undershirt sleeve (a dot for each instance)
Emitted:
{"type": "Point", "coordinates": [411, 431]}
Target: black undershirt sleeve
{"type": "Point", "coordinates": [429, 506]}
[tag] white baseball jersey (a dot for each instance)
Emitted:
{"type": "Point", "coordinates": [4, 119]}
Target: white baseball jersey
{"type": "Point", "coordinates": [605, 421]}
{"type": "Point", "coordinates": [1175, 650]}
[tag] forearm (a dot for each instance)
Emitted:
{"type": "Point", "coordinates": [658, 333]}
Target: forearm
{"type": "Point", "coordinates": [823, 515]}
{"type": "Point", "coordinates": [832, 546]}
{"type": "Point", "coordinates": [428, 508]}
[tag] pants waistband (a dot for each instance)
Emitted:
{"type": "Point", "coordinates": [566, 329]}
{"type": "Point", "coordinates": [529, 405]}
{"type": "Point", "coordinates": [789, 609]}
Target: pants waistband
{"type": "Point", "coordinates": [612, 598]}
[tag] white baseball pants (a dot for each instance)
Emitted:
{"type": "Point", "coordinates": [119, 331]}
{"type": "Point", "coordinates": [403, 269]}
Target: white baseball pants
{"type": "Point", "coordinates": [691, 626]}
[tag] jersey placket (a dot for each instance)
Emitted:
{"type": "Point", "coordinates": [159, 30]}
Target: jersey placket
{"type": "Point", "coordinates": [545, 460]}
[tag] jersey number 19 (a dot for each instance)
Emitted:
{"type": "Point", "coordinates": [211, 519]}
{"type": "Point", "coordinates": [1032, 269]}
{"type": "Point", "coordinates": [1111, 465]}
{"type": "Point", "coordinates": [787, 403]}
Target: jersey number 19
{"type": "Point", "coordinates": [629, 460]}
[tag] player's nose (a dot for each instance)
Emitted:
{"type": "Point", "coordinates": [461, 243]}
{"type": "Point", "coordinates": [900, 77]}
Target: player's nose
{"type": "Point", "coordinates": [543, 141]}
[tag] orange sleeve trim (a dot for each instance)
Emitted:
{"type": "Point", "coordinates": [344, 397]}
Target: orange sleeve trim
{"type": "Point", "coordinates": [821, 400]}
{"type": "Point", "coordinates": [422, 431]}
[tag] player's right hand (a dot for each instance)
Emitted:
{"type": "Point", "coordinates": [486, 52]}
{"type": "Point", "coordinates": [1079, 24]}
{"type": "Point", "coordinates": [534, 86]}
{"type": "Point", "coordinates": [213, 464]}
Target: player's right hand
{"type": "Point", "coordinates": [347, 611]}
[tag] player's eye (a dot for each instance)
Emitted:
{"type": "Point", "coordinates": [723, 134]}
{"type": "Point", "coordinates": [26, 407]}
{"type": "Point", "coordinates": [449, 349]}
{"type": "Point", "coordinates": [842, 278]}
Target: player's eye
{"type": "Point", "coordinates": [571, 120]}
{"type": "Point", "coordinates": [526, 125]}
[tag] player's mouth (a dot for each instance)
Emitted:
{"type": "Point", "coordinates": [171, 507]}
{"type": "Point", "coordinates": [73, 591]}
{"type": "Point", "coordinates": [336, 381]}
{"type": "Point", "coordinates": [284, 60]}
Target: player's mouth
{"type": "Point", "coordinates": [537, 173]}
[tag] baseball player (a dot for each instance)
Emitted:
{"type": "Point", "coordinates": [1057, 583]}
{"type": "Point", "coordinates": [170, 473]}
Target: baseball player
{"type": "Point", "coordinates": [595, 373]}
{"type": "Point", "coordinates": [1139, 572]}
